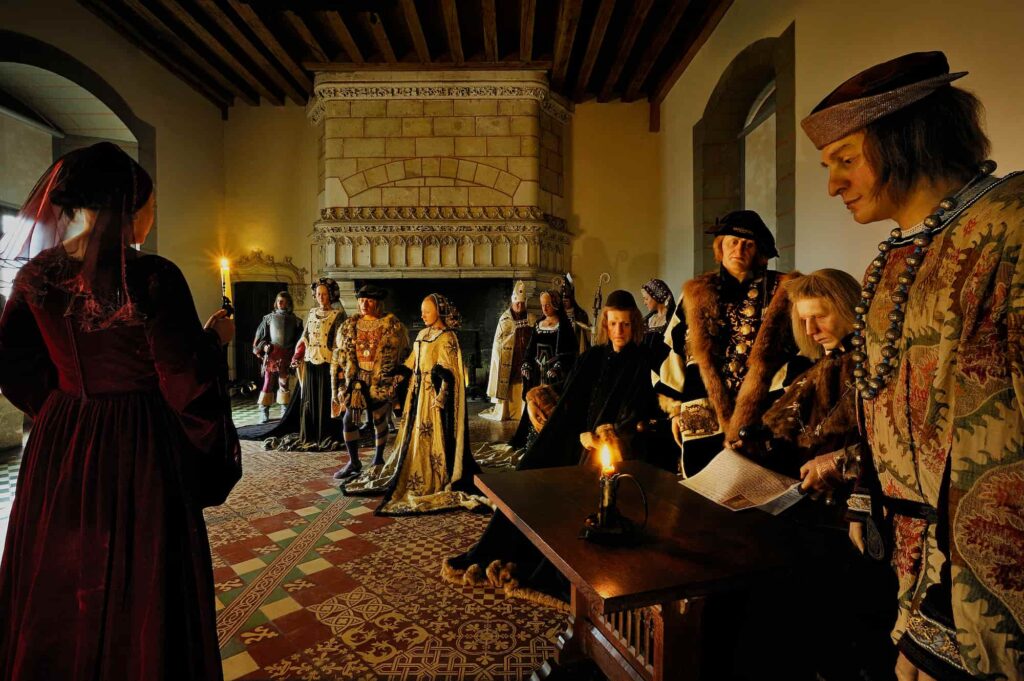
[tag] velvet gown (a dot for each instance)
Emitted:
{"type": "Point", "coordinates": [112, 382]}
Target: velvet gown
{"type": "Point", "coordinates": [106, 573]}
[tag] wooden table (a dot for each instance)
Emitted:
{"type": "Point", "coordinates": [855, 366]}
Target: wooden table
{"type": "Point", "coordinates": [635, 610]}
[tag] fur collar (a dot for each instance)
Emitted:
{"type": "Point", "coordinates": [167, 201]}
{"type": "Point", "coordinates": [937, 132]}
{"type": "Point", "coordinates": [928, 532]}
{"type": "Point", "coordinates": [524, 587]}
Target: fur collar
{"type": "Point", "coordinates": [700, 305]}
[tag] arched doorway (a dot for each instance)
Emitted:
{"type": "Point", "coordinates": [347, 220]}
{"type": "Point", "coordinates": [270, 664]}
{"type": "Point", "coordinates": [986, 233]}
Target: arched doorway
{"type": "Point", "coordinates": [744, 148]}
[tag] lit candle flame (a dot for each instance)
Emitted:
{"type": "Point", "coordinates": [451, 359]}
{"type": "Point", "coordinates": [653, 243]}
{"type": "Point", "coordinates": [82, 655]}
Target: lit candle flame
{"type": "Point", "coordinates": [225, 264]}
{"type": "Point", "coordinates": [606, 460]}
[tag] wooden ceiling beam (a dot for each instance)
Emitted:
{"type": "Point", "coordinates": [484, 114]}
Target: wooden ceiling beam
{"type": "Point", "coordinates": [451, 28]}
{"type": "Point", "coordinates": [249, 16]}
{"type": "Point", "coordinates": [380, 36]}
{"type": "Point", "coordinates": [527, 15]}
{"type": "Point", "coordinates": [601, 21]}
{"type": "Point", "coordinates": [333, 22]}
{"type": "Point", "coordinates": [214, 45]}
{"type": "Point", "coordinates": [565, 36]}
{"type": "Point", "coordinates": [708, 24]}
{"type": "Point", "coordinates": [225, 23]}
{"type": "Point", "coordinates": [653, 50]}
{"type": "Point", "coordinates": [115, 19]}
{"type": "Point", "coordinates": [412, 22]}
{"type": "Point", "coordinates": [168, 34]}
{"type": "Point", "coordinates": [349, 67]}
{"type": "Point", "coordinates": [636, 22]}
{"type": "Point", "coordinates": [489, 15]}
{"type": "Point", "coordinates": [316, 50]}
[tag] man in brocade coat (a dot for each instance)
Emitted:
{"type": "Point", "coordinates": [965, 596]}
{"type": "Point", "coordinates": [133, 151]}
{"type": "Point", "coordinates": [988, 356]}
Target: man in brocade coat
{"type": "Point", "coordinates": [939, 359]}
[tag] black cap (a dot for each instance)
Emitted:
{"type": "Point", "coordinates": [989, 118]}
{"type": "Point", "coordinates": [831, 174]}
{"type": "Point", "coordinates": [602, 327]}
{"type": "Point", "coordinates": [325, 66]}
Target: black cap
{"type": "Point", "coordinates": [747, 224]}
{"type": "Point", "coordinates": [620, 300]}
{"type": "Point", "coordinates": [371, 291]}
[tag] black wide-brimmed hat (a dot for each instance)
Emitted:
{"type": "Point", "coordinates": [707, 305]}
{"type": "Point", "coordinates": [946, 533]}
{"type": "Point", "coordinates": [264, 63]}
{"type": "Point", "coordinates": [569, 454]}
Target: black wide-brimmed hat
{"type": "Point", "coordinates": [746, 224]}
{"type": "Point", "coordinates": [371, 291]}
{"type": "Point", "coordinates": [877, 92]}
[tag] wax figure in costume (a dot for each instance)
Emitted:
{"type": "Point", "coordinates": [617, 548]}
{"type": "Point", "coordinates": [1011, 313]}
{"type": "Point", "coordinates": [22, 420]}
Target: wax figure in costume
{"type": "Point", "coordinates": [728, 340]}
{"type": "Point", "coordinates": [511, 338]}
{"type": "Point", "coordinates": [577, 316]}
{"type": "Point", "coordinates": [363, 374]}
{"type": "Point", "coordinates": [661, 305]}
{"type": "Point", "coordinates": [609, 392]}
{"type": "Point", "coordinates": [317, 430]}
{"type": "Point", "coordinates": [106, 573]}
{"type": "Point", "coordinates": [938, 357]}
{"type": "Point", "coordinates": [430, 468]}
{"type": "Point", "coordinates": [552, 351]}
{"type": "Point", "coordinates": [811, 432]}
{"type": "Point", "coordinates": [275, 341]}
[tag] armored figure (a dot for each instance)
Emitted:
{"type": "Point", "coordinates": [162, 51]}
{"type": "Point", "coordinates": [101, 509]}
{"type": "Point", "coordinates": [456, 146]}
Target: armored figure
{"type": "Point", "coordinates": [274, 344]}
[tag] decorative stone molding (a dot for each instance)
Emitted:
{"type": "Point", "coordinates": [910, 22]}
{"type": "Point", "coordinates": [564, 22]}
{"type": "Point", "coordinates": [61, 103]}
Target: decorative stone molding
{"type": "Point", "coordinates": [257, 266]}
{"type": "Point", "coordinates": [368, 85]}
{"type": "Point", "coordinates": [491, 241]}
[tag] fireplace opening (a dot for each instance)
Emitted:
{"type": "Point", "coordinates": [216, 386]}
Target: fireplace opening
{"type": "Point", "coordinates": [480, 302]}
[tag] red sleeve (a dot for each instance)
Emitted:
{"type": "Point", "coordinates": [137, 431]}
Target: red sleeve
{"type": "Point", "coordinates": [26, 373]}
{"type": "Point", "coordinates": [193, 379]}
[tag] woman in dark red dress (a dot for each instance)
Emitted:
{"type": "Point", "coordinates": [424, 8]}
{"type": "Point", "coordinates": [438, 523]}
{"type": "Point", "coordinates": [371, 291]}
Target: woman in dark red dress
{"type": "Point", "coordinates": [106, 572]}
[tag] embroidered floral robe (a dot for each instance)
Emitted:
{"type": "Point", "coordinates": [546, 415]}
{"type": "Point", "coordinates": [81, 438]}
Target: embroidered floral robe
{"type": "Point", "coordinates": [948, 430]}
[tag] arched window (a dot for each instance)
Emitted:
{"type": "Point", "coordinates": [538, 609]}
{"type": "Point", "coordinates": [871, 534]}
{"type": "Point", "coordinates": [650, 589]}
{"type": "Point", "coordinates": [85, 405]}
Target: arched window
{"type": "Point", "coordinates": [760, 158]}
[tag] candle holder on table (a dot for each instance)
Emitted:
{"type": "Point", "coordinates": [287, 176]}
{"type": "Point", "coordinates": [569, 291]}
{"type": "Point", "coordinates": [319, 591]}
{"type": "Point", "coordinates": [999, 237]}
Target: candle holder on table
{"type": "Point", "coordinates": [609, 525]}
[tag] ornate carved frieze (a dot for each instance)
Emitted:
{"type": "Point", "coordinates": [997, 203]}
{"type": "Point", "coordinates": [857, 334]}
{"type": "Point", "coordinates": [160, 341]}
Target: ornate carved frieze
{"type": "Point", "coordinates": [477, 241]}
{"type": "Point", "coordinates": [258, 266]}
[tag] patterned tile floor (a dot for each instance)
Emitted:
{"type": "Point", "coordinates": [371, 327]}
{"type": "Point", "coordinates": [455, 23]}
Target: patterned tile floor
{"type": "Point", "coordinates": [311, 585]}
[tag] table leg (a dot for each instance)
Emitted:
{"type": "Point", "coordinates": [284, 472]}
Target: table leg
{"type": "Point", "coordinates": [678, 639]}
{"type": "Point", "coordinates": [570, 651]}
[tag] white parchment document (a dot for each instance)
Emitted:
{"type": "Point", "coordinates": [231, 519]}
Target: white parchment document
{"type": "Point", "coordinates": [736, 482]}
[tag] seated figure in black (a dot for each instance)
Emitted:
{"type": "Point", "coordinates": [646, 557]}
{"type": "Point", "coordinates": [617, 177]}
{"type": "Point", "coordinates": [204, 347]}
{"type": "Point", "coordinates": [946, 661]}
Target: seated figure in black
{"type": "Point", "coordinates": [609, 389]}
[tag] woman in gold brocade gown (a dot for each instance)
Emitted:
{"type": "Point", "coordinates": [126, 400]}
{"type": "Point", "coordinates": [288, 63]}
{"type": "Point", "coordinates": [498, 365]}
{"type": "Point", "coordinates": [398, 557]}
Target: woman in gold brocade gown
{"type": "Point", "coordinates": [430, 469]}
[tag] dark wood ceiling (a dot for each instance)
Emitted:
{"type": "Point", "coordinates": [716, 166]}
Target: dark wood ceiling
{"type": "Point", "coordinates": [250, 50]}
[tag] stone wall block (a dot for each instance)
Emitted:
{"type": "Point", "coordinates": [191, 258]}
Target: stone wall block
{"type": "Point", "coordinates": [340, 167]}
{"type": "Point", "coordinates": [333, 148]}
{"type": "Point", "coordinates": [439, 182]}
{"type": "Point", "coordinates": [449, 196]}
{"type": "Point", "coordinates": [476, 107]}
{"type": "Point", "coordinates": [470, 146]}
{"type": "Point", "coordinates": [364, 147]}
{"type": "Point", "coordinates": [405, 107]}
{"type": "Point", "coordinates": [549, 141]}
{"type": "Point", "coordinates": [400, 147]}
{"type": "Point", "coordinates": [548, 180]}
{"type": "Point", "coordinates": [418, 127]}
{"type": "Point", "coordinates": [518, 107]}
{"type": "Point", "coordinates": [441, 107]}
{"type": "Point", "coordinates": [334, 193]}
{"type": "Point", "coordinates": [431, 167]}
{"type": "Point", "coordinates": [336, 108]}
{"type": "Point", "coordinates": [396, 171]}
{"type": "Point", "coordinates": [400, 196]}
{"type": "Point", "coordinates": [454, 126]}
{"type": "Point", "coordinates": [526, 194]}
{"type": "Point", "coordinates": [504, 146]}
{"type": "Point", "coordinates": [524, 125]}
{"type": "Point", "coordinates": [355, 184]}
{"type": "Point", "coordinates": [496, 162]}
{"type": "Point", "coordinates": [411, 182]}
{"type": "Point", "coordinates": [374, 108]}
{"type": "Point", "coordinates": [370, 197]}
{"type": "Point", "coordinates": [376, 176]}
{"type": "Point", "coordinates": [530, 145]}
{"type": "Point", "coordinates": [467, 171]}
{"type": "Point", "coordinates": [524, 168]}
{"type": "Point", "coordinates": [449, 167]}
{"type": "Point", "coordinates": [383, 127]}
{"type": "Point", "coordinates": [413, 167]}
{"type": "Point", "coordinates": [343, 127]}
{"type": "Point", "coordinates": [435, 146]}
{"type": "Point", "coordinates": [486, 176]}
{"type": "Point", "coordinates": [492, 125]}
{"type": "Point", "coordinates": [507, 183]}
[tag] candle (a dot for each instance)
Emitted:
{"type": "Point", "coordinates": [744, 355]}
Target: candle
{"type": "Point", "coordinates": [225, 278]}
{"type": "Point", "coordinates": [606, 461]}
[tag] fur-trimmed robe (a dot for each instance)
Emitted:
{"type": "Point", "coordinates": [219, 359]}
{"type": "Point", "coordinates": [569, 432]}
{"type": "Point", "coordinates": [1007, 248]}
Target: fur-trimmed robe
{"type": "Point", "coordinates": [691, 375]}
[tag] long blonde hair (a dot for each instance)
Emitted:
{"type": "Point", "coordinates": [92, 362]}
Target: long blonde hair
{"type": "Point", "coordinates": [839, 293]}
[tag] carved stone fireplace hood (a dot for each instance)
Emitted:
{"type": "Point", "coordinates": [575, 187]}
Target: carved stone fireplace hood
{"type": "Point", "coordinates": [440, 174]}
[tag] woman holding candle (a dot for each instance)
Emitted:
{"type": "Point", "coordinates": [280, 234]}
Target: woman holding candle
{"type": "Point", "coordinates": [430, 468]}
{"type": "Point", "coordinates": [608, 399]}
{"type": "Point", "coordinates": [106, 572]}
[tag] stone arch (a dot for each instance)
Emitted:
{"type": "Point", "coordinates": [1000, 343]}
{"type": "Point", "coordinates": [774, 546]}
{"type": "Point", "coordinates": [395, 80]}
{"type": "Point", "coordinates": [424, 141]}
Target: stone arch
{"type": "Point", "coordinates": [718, 144]}
{"type": "Point", "coordinates": [22, 49]}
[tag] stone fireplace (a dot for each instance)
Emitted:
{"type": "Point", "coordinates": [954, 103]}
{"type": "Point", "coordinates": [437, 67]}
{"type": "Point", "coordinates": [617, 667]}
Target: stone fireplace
{"type": "Point", "coordinates": [444, 177]}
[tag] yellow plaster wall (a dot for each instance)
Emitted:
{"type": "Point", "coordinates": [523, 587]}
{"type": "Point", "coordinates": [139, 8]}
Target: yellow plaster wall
{"type": "Point", "coordinates": [615, 197]}
{"type": "Point", "coordinates": [835, 40]}
{"type": "Point", "coordinates": [189, 132]}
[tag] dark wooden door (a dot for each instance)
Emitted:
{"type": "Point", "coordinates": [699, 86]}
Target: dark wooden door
{"type": "Point", "coordinates": [253, 300]}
